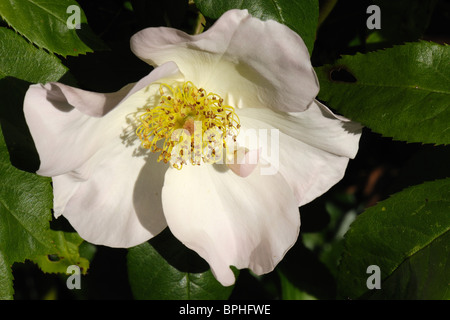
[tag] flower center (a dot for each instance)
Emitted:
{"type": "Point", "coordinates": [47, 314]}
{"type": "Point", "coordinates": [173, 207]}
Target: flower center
{"type": "Point", "coordinates": [188, 125]}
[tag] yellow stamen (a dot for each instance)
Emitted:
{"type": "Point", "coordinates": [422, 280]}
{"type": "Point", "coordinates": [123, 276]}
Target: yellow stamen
{"type": "Point", "coordinates": [171, 127]}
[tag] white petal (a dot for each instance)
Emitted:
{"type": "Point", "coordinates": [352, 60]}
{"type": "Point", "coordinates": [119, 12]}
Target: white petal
{"type": "Point", "coordinates": [118, 204]}
{"type": "Point", "coordinates": [312, 150]}
{"type": "Point", "coordinates": [69, 125]}
{"type": "Point", "coordinates": [114, 198]}
{"type": "Point", "coordinates": [309, 171]}
{"type": "Point", "coordinates": [317, 126]}
{"type": "Point", "coordinates": [249, 62]}
{"type": "Point", "coordinates": [104, 184]}
{"type": "Point", "coordinates": [229, 220]}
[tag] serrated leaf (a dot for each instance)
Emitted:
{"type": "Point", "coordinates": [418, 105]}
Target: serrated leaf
{"type": "Point", "coordinates": [67, 245]}
{"type": "Point", "coordinates": [44, 22]}
{"type": "Point", "coordinates": [423, 276]}
{"type": "Point", "coordinates": [25, 210]}
{"type": "Point", "coordinates": [406, 236]}
{"type": "Point", "coordinates": [300, 16]}
{"type": "Point", "coordinates": [401, 92]}
{"type": "Point", "coordinates": [21, 60]}
{"type": "Point", "coordinates": [178, 275]}
{"type": "Point", "coordinates": [26, 200]}
{"type": "Point", "coordinates": [22, 64]}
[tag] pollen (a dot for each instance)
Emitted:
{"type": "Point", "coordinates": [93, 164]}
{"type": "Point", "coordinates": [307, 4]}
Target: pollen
{"type": "Point", "coordinates": [188, 125]}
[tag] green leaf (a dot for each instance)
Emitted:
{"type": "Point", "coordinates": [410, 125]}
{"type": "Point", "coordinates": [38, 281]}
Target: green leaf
{"type": "Point", "coordinates": [303, 275]}
{"type": "Point", "coordinates": [26, 200]}
{"type": "Point", "coordinates": [6, 279]}
{"type": "Point", "coordinates": [401, 92]}
{"type": "Point", "coordinates": [67, 245]}
{"type": "Point", "coordinates": [21, 148]}
{"type": "Point", "coordinates": [423, 276]}
{"type": "Point", "coordinates": [25, 210]}
{"type": "Point", "coordinates": [300, 16]}
{"type": "Point", "coordinates": [22, 64]}
{"type": "Point", "coordinates": [21, 60]}
{"type": "Point", "coordinates": [167, 270]}
{"type": "Point", "coordinates": [406, 236]}
{"type": "Point", "coordinates": [44, 22]}
{"type": "Point", "coordinates": [290, 292]}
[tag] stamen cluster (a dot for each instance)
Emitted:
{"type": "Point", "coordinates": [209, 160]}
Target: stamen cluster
{"type": "Point", "coordinates": [189, 124]}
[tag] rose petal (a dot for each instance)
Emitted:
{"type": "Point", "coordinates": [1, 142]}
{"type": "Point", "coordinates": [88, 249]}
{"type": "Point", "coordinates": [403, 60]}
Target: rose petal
{"type": "Point", "coordinates": [309, 171]}
{"type": "Point", "coordinates": [317, 126]}
{"type": "Point", "coordinates": [115, 198]}
{"type": "Point", "coordinates": [103, 183]}
{"type": "Point", "coordinates": [62, 123]}
{"type": "Point", "coordinates": [230, 59]}
{"type": "Point", "coordinates": [311, 151]}
{"type": "Point", "coordinates": [228, 220]}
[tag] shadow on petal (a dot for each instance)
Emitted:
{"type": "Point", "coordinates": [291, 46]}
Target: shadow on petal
{"type": "Point", "coordinates": [254, 76]}
{"type": "Point", "coordinates": [348, 125]}
{"type": "Point", "coordinates": [56, 97]}
{"type": "Point", "coordinates": [147, 194]}
{"type": "Point", "coordinates": [148, 205]}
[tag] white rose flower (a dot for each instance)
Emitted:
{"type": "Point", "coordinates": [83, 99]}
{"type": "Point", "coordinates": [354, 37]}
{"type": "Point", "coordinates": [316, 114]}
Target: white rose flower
{"type": "Point", "coordinates": [121, 174]}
